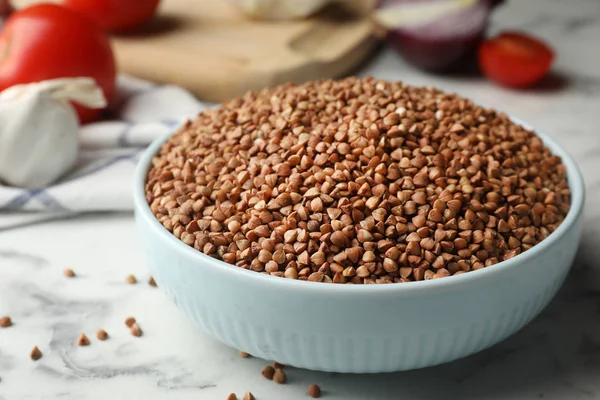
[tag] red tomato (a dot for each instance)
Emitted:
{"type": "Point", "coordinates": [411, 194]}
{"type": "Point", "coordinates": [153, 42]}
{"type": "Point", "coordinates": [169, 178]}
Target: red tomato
{"type": "Point", "coordinates": [115, 15]}
{"type": "Point", "coordinates": [515, 59]}
{"type": "Point", "coordinates": [47, 41]}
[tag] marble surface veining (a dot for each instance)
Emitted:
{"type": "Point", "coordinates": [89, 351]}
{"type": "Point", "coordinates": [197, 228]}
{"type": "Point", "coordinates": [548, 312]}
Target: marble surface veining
{"type": "Point", "coordinates": [555, 357]}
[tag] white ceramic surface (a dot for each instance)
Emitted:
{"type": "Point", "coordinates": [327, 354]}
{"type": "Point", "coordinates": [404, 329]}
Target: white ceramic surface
{"type": "Point", "coordinates": [356, 328]}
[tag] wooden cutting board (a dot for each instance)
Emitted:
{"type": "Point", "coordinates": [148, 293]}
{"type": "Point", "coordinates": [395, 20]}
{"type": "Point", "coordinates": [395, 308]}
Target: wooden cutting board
{"type": "Point", "coordinates": [213, 49]}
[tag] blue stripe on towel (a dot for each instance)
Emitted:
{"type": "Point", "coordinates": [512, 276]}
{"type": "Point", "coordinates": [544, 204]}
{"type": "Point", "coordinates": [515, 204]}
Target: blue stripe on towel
{"type": "Point", "coordinates": [50, 201]}
{"type": "Point", "coordinates": [171, 122]}
{"type": "Point", "coordinates": [20, 200]}
{"type": "Point", "coordinates": [122, 140]}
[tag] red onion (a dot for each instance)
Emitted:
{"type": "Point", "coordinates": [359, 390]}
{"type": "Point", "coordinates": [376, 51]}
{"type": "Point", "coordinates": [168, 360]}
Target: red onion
{"type": "Point", "coordinates": [451, 31]}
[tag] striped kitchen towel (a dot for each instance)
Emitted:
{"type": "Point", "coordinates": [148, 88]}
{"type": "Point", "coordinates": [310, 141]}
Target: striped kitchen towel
{"type": "Point", "coordinates": [109, 150]}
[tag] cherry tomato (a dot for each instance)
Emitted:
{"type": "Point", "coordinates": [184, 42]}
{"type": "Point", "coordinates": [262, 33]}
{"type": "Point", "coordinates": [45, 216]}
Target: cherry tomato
{"type": "Point", "coordinates": [47, 41]}
{"type": "Point", "coordinates": [515, 59]}
{"type": "Point", "coordinates": [115, 15]}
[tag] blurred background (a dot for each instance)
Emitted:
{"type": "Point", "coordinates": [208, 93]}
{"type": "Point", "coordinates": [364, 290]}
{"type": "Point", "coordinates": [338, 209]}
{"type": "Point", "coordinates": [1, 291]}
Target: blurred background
{"type": "Point", "coordinates": [135, 69]}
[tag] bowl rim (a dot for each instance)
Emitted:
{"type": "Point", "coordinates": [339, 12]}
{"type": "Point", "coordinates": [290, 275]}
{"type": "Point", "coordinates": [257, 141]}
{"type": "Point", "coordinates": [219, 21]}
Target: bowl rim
{"type": "Point", "coordinates": [575, 182]}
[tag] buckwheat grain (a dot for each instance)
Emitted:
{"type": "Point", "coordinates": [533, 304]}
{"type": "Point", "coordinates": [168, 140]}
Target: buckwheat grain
{"type": "Point", "coordinates": [357, 181]}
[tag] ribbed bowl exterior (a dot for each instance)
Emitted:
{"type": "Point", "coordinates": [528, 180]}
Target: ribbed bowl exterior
{"type": "Point", "coordinates": [359, 328]}
{"type": "Point", "coordinates": [354, 332]}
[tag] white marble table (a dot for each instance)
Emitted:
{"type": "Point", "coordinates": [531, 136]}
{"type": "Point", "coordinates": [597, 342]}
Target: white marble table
{"type": "Point", "coordinates": [555, 357]}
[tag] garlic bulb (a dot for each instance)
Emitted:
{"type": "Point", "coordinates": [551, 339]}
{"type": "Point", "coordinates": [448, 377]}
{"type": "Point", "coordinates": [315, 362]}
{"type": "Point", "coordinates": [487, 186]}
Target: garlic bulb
{"type": "Point", "coordinates": [39, 129]}
{"type": "Point", "coordinates": [292, 9]}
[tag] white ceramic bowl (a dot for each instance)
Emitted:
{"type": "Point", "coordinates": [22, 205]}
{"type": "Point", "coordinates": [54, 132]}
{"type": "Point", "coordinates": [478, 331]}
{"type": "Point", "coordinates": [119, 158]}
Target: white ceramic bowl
{"type": "Point", "coordinates": [360, 328]}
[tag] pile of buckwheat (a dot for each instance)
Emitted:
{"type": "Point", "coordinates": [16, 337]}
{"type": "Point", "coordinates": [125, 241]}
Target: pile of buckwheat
{"type": "Point", "coordinates": [357, 181]}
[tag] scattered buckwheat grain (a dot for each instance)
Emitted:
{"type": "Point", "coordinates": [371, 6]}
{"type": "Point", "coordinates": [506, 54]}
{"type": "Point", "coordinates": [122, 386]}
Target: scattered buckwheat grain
{"type": "Point", "coordinates": [314, 391]}
{"type": "Point", "coordinates": [83, 340]}
{"type": "Point", "coordinates": [152, 282]}
{"type": "Point", "coordinates": [35, 354]}
{"type": "Point", "coordinates": [268, 372]}
{"type": "Point", "coordinates": [101, 334]}
{"type": "Point", "coordinates": [232, 396]}
{"type": "Point", "coordinates": [243, 354]}
{"type": "Point", "coordinates": [129, 321]}
{"type": "Point", "coordinates": [357, 181]}
{"type": "Point", "coordinates": [130, 279]}
{"type": "Point", "coordinates": [69, 273]}
{"type": "Point", "coordinates": [5, 322]}
{"type": "Point", "coordinates": [136, 330]}
{"type": "Point", "coordinates": [278, 365]}
{"type": "Point", "coordinates": [248, 396]}
{"type": "Point", "coordinates": [279, 376]}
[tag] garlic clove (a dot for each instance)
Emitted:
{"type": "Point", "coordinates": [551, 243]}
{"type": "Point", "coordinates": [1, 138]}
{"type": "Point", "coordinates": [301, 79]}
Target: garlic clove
{"type": "Point", "coordinates": [83, 91]}
{"type": "Point", "coordinates": [39, 142]}
{"type": "Point", "coordinates": [39, 129]}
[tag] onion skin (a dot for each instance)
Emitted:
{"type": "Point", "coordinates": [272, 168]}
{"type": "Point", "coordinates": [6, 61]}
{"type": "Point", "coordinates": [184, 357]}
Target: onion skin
{"type": "Point", "coordinates": [435, 55]}
{"type": "Point", "coordinates": [443, 44]}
